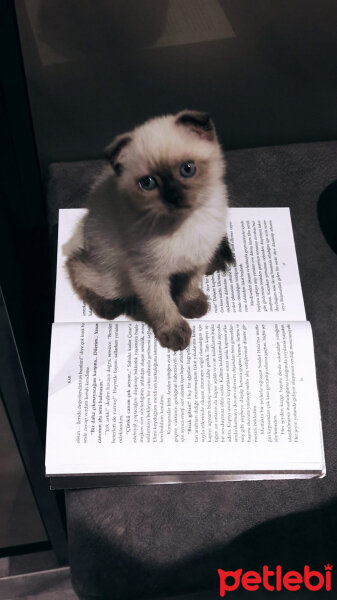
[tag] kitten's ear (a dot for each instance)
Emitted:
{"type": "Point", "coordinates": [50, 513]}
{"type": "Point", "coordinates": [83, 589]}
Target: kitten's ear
{"type": "Point", "coordinates": [113, 150]}
{"type": "Point", "coordinates": [199, 122]}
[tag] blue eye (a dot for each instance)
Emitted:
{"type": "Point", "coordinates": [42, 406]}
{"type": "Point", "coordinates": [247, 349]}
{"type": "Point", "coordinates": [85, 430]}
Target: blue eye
{"type": "Point", "coordinates": [188, 169]}
{"type": "Point", "coordinates": [147, 183]}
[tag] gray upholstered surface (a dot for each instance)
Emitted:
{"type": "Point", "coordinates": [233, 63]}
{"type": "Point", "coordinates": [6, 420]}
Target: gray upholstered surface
{"type": "Point", "coordinates": [137, 542]}
{"type": "Point", "coordinates": [52, 584]}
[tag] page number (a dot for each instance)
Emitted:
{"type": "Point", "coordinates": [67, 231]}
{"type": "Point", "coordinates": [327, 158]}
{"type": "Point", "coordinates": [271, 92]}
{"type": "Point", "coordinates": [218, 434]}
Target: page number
{"type": "Point", "coordinates": [69, 379]}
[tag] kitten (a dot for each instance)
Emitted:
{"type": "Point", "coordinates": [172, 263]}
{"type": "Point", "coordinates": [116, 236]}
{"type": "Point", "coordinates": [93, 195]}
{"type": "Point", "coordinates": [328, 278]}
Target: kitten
{"type": "Point", "coordinates": [156, 224]}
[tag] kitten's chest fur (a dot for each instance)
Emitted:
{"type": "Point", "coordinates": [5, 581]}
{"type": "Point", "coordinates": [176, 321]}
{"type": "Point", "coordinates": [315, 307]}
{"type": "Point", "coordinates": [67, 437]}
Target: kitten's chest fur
{"type": "Point", "coordinates": [194, 242]}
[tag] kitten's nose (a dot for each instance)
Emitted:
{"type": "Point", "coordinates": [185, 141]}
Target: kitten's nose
{"type": "Point", "coordinates": [173, 194]}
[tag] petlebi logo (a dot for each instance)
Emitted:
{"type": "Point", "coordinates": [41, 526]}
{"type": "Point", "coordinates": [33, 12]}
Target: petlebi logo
{"type": "Point", "coordinates": [275, 580]}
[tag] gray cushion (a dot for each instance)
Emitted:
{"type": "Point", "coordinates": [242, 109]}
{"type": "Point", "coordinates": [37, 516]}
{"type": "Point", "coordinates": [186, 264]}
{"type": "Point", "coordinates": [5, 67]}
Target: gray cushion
{"type": "Point", "coordinates": [134, 542]}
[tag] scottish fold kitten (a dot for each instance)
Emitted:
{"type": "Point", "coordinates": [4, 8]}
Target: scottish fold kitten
{"type": "Point", "coordinates": [156, 224]}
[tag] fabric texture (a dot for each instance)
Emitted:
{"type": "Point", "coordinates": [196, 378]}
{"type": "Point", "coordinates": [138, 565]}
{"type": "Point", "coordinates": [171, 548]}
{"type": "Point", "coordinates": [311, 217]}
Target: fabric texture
{"type": "Point", "coordinates": [146, 542]}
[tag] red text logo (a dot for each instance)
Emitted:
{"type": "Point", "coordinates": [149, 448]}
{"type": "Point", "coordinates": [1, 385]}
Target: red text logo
{"type": "Point", "coordinates": [275, 580]}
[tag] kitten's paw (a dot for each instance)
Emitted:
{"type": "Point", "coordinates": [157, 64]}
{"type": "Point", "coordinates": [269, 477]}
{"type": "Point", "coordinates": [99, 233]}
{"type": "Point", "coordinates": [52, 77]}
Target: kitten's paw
{"type": "Point", "coordinates": [194, 309]}
{"type": "Point", "coordinates": [108, 309]}
{"type": "Point", "coordinates": [175, 338]}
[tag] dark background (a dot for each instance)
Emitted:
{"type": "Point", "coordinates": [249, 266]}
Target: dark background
{"type": "Point", "coordinates": [91, 73]}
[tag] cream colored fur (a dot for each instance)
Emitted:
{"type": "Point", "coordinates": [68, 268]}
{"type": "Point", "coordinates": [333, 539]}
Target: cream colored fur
{"type": "Point", "coordinates": [125, 257]}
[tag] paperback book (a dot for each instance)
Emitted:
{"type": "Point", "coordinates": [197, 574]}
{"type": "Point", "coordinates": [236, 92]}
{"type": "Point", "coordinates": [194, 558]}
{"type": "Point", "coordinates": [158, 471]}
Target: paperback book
{"type": "Point", "coordinates": [240, 402]}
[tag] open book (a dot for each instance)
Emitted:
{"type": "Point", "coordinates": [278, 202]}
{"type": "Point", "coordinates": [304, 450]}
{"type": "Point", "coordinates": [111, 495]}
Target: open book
{"type": "Point", "coordinates": [240, 402]}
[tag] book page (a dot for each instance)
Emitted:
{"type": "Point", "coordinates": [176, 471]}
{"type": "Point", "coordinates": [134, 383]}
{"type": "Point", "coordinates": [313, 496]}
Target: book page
{"type": "Point", "coordinates": [264, 284]}
{"type": "Point", "coordinates": [241, 397]}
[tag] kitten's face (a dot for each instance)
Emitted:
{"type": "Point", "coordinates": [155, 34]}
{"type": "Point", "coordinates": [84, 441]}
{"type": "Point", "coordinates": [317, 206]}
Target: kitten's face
{"type": "Point", "coordinates": [170, 165]}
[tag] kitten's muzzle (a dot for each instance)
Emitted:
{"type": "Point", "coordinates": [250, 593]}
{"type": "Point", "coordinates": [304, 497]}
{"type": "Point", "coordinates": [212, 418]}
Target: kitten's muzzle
{"type": "Point", "coordinates": [173, 195]}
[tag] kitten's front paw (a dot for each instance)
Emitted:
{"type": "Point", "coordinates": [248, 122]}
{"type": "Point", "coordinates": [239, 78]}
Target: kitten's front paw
{"type": "Point", "coordinates": [194, 309]}
{"type": "Point", "coordinates": [175, 338]}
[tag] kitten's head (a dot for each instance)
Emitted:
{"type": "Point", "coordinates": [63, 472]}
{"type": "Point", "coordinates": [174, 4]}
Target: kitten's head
{"type": "Point", "coordinates": [169, 165]}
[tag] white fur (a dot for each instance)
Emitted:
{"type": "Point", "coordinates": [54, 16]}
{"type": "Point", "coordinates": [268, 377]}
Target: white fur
{"type": "Point", "coordinates": [194, 243]}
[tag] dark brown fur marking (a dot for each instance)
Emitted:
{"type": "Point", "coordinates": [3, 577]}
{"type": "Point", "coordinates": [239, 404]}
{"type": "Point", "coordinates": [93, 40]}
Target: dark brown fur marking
{"type": "Point", "coordinates": [113, 150]}
{"type": "Point", "coordinates": [102, 307]}
{"type": "Point", "coordinates": [199, 122]}
{"type": "Point", "coordinates": [171, 191]}
{"type": "Point", "coordinates": [177, 338]}
{"type": "Point", "coordinates": [191, 309]}
{"type": "Point", "coordinates": [194, 309]}
{"type": "Point", "coordinates": [222, 258]}
{"type": "Point", "coordinates": [179, 283]}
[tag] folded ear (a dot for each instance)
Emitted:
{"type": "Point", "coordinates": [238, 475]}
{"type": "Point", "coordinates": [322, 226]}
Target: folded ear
{"type": "Point", "coordinates": [199, 122]}
{"type": "Point", "coordinates": [113, 150]}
